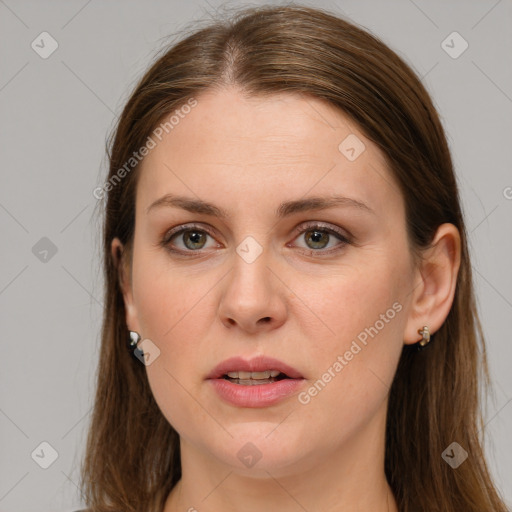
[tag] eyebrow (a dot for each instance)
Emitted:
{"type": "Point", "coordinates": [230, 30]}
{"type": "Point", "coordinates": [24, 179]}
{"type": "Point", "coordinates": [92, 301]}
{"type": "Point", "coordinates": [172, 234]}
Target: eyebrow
{"type": "Point", "coordinates": [285, 209]}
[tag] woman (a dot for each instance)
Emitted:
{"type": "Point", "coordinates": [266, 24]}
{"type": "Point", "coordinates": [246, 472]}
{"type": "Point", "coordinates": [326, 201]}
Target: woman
{"type": "Point", "coordinates": [289, 320]}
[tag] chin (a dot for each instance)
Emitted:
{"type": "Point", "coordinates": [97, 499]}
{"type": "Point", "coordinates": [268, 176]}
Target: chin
{"type": "Point", "coordinates": [253, 453]}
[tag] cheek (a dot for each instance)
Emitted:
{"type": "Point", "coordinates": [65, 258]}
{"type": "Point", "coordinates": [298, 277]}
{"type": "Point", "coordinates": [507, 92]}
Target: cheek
{"type": "Point", "coordinates": [348, 304]}
{"type": "Point", "coordinates": [176, 312]}
{"type": "Point", "coordinates": [165, 297]}
{"type": "Point", "coordinates": [171, 312]}
{"type": "Point", "coordinates": [355, 358]}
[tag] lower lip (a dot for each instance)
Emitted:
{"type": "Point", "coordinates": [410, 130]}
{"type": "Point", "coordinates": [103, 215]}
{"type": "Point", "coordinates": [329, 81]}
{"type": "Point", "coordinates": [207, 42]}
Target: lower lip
{"type": "Point", "coordinates": [259, 395]}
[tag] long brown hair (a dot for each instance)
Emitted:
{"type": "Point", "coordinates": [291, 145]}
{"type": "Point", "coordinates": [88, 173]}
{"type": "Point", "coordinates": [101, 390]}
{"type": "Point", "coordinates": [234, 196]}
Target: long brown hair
{"type": "Point", "coordinates": [132, 456]}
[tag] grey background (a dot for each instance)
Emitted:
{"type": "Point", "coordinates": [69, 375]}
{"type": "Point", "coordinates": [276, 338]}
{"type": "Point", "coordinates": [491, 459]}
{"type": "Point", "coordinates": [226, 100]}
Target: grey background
{"type": "Point", "coordinates": [55, 115]}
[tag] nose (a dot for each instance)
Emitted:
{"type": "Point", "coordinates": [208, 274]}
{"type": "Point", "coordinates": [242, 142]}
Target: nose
{"type": "Point", "coordinates": [254, 296]}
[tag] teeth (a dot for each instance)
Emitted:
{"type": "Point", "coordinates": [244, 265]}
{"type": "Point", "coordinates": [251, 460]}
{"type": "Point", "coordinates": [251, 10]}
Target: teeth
{"type": "Point", "coordinates": [254, 382]}
{"type": "Point", "coordinates": [253, 375]}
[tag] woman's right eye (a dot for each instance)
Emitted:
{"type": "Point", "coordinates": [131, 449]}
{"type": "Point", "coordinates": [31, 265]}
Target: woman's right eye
{"type": "Point", "coordinates": [186, 239]}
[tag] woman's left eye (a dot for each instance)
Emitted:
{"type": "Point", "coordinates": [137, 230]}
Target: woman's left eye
{"type": "Point", "coordinates": [319, 237]}
{"type": "Point", "coordinates": [193, 239]}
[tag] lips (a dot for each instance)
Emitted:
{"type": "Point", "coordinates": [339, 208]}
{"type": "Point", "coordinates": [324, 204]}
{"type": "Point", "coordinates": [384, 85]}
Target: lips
{"type": "Point", "coordinates": [253, 383]}
{"type": "Point", "coordinates": [256, 364]}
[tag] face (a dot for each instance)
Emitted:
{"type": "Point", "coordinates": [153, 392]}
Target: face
{"type": "Point", "coordinates": [323, 289]}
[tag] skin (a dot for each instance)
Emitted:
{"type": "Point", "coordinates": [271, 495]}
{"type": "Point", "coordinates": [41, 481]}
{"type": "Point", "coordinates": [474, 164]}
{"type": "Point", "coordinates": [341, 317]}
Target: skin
{"type": "Point", "coordinates": [247, 155]}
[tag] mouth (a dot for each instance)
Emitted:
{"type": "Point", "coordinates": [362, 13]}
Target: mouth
{"type": "Point", "coordinates": [257, 370]}
{"type": "Point", "coordinates": [258, 382]}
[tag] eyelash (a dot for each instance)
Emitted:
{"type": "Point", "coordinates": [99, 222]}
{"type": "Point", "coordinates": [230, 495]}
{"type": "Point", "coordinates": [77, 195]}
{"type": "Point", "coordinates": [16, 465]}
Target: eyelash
{"type": "Point", "coordinates": [314, 226]}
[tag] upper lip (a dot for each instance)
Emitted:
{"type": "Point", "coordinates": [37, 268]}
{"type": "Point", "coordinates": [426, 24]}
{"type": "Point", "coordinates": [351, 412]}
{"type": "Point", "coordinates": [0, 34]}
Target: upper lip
{"type": "Point", "coordinates": [255, 364]}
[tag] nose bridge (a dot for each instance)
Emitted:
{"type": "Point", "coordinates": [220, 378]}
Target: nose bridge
{"type": "Point", "coordinates": [251, 294]}
{"type": "Point", "coordinates": [251, 274]}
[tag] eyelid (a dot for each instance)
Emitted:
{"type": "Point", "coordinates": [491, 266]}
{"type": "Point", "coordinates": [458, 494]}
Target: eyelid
{"type": "Point", "coordinates": [185, 227]}
{"type": "Point", "coordinates": [304, 226]}
{"type": "Point", "coordinates": [181, 228]}
{"type": "Point", "coordinates": [344, 238]}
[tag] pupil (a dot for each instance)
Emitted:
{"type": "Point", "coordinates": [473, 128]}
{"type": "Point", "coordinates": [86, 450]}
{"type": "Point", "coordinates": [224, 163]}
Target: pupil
{"type": "Point", "coordinates": [317, 238]}
{"type": "Point", "coordinates": [196, 237]}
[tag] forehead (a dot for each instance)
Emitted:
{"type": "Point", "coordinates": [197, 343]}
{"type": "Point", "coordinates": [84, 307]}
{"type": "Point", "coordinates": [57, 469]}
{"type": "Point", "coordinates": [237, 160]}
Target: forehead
{"type": "Point", "coordinates": [235, 147]}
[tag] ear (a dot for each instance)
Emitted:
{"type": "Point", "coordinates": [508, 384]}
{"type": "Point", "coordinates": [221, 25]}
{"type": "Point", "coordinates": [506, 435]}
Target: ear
{"type": "Point", "coordinates": [121, 263]}
{"type": "Point", "coordinates": [434, 284]}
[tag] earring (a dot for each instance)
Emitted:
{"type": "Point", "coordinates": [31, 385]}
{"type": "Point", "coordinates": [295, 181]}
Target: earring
{"type": "Point", "coordinates": [134, 339]}
{"type": "Point", "coordinates": [425, 340]}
